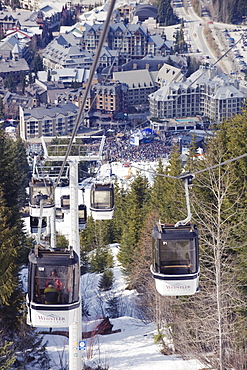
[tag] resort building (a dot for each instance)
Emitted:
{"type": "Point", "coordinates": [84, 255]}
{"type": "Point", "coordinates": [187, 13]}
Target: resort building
{"type": "Point", "coordinates": [206, 93]}
{"type": "Point", "coordinates": [40, 121]}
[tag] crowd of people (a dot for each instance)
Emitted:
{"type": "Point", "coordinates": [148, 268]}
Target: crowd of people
{"type": "Point", "coordinates": [123, 151]}
{"type": "Point", "coordinates": [120, 149]}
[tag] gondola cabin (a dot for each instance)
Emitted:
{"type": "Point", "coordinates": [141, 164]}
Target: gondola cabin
{"type": "Point", "coordinates": [41, 194]}
{"type": "Point", "coordinates": [53, 288]}
{"type": "Point", "coordinates": [65, 202]}
{"type": "Point", "coordinates": [34, 224]}
{"type": "Point", "coordinates": [59, 214]}
{"type": "Point", "coordinates": [102, 201]}
{"type": "Point", "coordinates": [82, 216]}
{"type": "Point", "coordinates": [175, 260]}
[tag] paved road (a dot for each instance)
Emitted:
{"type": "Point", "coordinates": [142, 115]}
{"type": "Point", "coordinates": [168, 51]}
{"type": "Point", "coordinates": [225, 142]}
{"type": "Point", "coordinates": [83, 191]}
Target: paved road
{"type": "Point", "coordinates": [194, 33]}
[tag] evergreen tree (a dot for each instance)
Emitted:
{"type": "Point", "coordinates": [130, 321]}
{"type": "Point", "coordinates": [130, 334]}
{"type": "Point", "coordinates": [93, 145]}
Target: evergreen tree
{"type": "Point", "coordinates": [30, 78]}
{"type": "Point", "coordinates": [23, 82]}
{"type": "Point", "coordinates": [37, 64]}
{"type": "Point", "coordinates": [170, 195]}
{"type": "Point", "coordinates": [166, 16]}
{"type": "Point", "coordinates": [7, 357]}
{"type": "Point", "coordinates": [158, 194]}
{"type": "Point", "coordinates": [233, 135]}
{"type": "Point", "coordinates": [106, 280]}
{"type": "Point", "coordinates": [88, 238]}
{"type": "Point", "coordinates": [101, 259]}
{"type": "Point", "coordinates": [49, 75]}
{"type": "Point", "coordinates": [31, 346]}
{"type": "Point", "coordinates": [61, 241]}
{"type": "Point", "coordinates": [9, 247]}
{"type": "Point", "coordinates": [137, 208]}
{"type": "Point", "coordinates": [10, 83]}
{"type": "Point", "coordinates": [140, 272]}
{"type": "Point", "coordinates": [96, 234]}
{"type": "Point", "coordinates": [113, 309]}
{"type": "Point", "coordinates": [120, 212]}
{"type": "Point", "coordinates": [13, 173]}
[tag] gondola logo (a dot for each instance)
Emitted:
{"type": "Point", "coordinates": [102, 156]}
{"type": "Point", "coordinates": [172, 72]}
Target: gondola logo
{"type": "Point", "coordinates": [51, 318]}
{"type": "Point", "coordinates": [178, 286]}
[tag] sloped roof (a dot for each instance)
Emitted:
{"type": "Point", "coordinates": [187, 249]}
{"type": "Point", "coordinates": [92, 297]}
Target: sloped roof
{"type": "Point", "coordinates": [146, 11]}
{"type": "Point", "coordinates": [16, 49]}
{"type": "Point", "coordinates": [157, 40]}
{"type": "Point", "coordinates": [135, 79]}
{"type": "Point", "coordinates": [13, 65]}
{"type": "Point", "coordinates": [169, 73]}
{"type": "Point", "coordinates": [41, 112]}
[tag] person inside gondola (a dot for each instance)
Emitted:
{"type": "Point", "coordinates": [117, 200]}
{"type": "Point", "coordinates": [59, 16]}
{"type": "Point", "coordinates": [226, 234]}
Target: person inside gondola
{"type": "Point", "coordinates": [40, 196]}
{"type": "Point", "coordinates": [51, 294]}
{"type": "Point", "coordinates": [55, 279]}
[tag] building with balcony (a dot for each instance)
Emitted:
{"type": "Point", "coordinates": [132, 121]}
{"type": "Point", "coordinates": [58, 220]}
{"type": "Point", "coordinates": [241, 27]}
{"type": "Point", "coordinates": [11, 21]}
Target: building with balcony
{"type": "Point", "coordinates": [65, 52]}
{"type": "Point", "coordinates": [111, 97]}
{"type": "Point", "coordinates": [47, 121]}
{"type": "Point", "coordinates": [206, 93]}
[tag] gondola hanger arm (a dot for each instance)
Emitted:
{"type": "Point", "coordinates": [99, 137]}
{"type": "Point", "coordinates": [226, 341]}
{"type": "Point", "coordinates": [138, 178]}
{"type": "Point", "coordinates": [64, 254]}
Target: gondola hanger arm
{"type": "Point", "coordinates": [187, 181]}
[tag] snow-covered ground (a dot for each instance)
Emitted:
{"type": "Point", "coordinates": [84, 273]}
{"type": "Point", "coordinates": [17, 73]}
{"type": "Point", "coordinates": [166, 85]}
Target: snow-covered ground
{"type": "Point", "coordinates": [131, 348]}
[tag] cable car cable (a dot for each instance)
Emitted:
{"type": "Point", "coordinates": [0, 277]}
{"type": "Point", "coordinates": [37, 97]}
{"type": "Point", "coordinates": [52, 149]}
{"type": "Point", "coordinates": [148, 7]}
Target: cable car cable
{"type": "Point", "coordinates": [88, 87]}
{"type": "Point", "coordinates": [183, 176]}
{"type": "Point", "coordinates": [90, 79]}
{"type": "Point", "coordinates": [222, 56]}
{"type": "Point", "coordinates": [114, 59]}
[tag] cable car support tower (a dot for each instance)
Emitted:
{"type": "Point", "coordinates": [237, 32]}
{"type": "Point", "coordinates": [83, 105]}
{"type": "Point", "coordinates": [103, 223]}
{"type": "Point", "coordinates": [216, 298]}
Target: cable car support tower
{"type": "Point", "coordinates": [75, 329]}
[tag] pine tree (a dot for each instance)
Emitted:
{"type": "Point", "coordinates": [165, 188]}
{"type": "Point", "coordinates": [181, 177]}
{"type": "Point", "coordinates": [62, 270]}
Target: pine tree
{"type": "Point", "coordinates": [49, 75]}
{"type": "Point", "coordinates": [158, 193]}
{"type": "Point", "coordinates": [7, 357]}
{"type": "Point", "coordinates": [120, 212]}
{"type": "Point", "coordinates": [13, 173]}
{"type": "Point", "coordinates": [1, 108]}
{"type": "Point", "coordinates": [113, 309]}
{"type": "Point", "coordinates": [171, 199]}
{"type": "Point", "coordinates": [140, 272]}
{"type": "Point", "coordinates": [137, 208]}
{"type": "Point", "coordinates": [106, 280]}
{"type": "Point", "coordinates": [88, 238]}
{"type": "Point", "coordinates": [100, 259]}
{"type": "Point", "coordinates": [233, 136]}
{"type": "Point", "coordinates": [37, 64]}
{"type": "Point", "coordinates": [30, 344]}
{"type": "Point", "coordinates": [9, 247]}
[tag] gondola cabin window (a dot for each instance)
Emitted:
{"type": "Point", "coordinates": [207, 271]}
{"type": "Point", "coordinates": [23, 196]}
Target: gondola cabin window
{"type": "Point", "coordinates": [102, 197]}
{"type": "Point", "coordinates": [60, 277]}
{"type": "Point", "coordinates": [177, 257]}
{"type": "Point", "coordinates": [41, 190]}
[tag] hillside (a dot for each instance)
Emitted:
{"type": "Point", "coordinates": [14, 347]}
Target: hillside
{"type": "Point", "coordinates": [131, 347]}
{"type": "Point", "coordinates": [229, 11]}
